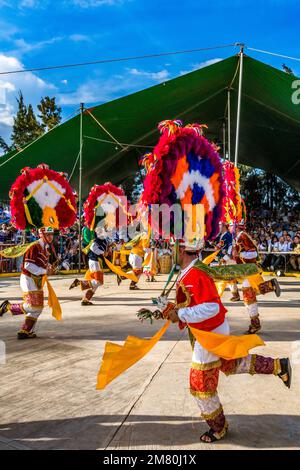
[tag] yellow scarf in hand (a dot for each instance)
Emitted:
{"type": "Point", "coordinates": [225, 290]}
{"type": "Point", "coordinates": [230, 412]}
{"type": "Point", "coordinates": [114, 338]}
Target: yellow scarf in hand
{"type": "Point", "coordinates": [116, 358]}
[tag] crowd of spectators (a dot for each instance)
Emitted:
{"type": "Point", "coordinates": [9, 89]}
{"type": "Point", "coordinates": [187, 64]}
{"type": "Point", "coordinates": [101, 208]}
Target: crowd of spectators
{"type": "Point", "coordinates": [274, 232]}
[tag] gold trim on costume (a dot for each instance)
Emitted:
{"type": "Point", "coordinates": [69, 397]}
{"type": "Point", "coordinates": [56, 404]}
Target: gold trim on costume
{"type": "Point", "coordinates": [187, 302]}
{"type": "Point", "coordinates": [221, 434]}
{"type": "Point", "coordinates": [252, 364]}
{"type": "Point", "coordinates": [207, 366]}
{"type": "Point", "coordinates": [212, 415]}
{"type": "Point", "coordinates": [202, 395]}
{"type": "Point", "coordinates": [277, 367]}
{"type": "Point", "coordinates": [32, 318]}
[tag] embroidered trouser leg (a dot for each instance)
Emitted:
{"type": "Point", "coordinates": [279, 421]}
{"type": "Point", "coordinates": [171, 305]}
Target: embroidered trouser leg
{"type": "Point", "coordinates": [32, 306]}
{"type": "Point", "coordinates": [251, 364]}
{"type": "Point", "coordinates": [250, 302]}
{"type": "Point", "coordinates": [233, 287]}
{"type": "Point", "coordinates": [136, 262]}
{"type": "Point", "coordinates": [204, 377]}
{"type": "Point", "coordinates": [203, 386]}
{"type": "Point", "coordinates": [96, 280]}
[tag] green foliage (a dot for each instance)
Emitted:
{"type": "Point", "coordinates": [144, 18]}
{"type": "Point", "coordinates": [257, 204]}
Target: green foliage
{"type": "Point", "coordinates": [26, 126]}
{"type": "Point", "coordinates": [5, 147]}
{"type": "Point", "coordinates": [50, 113]}
{"type": "Point", "coordinates": [263, 189]}
{"type": "Point", "coordinates": [133, 186]}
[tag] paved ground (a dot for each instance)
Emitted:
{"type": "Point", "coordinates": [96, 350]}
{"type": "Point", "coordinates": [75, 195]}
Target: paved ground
{"type": "Point", "coordinates": [48, 397]}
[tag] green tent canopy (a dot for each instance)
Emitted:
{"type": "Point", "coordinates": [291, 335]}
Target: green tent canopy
{"type": "Point", "coordinates": [269, 126]}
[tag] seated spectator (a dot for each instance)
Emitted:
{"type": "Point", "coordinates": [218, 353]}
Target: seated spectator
{"type": "Point", "coordinates": [279, 261]}
{"type": "Point", "coordinates": [5, 234]}
{"type": "Point", "coordinates": [295, 258]}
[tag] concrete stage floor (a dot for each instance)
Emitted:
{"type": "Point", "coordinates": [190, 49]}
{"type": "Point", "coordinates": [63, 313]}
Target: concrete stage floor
{"type": "Point", "coordinates": [48, 396]}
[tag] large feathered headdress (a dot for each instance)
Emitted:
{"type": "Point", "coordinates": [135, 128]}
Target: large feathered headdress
{"type": "Point", "coordinates": [106, 201]}
{"type": "Point", "coordinates": [234, 210]}
{"type": "Point", "coordinates": [186, 168]}
{"type": "Point", "coordinates": [41, 197]}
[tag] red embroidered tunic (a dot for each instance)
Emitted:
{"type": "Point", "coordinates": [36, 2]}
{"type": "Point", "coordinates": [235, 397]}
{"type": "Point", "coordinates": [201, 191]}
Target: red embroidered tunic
{"type": "Point", "coordinates": [196, 288]}
{"type": "Point", "coordinates": [37, 255]}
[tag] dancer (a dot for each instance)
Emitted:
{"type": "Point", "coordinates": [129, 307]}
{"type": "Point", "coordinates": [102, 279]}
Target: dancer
{"type": "Point", "coordinates": [97, 250]}
{"type": "Point", "coordinates": [35, 267]}
{"type": "Point", "coordinates": [138, 246]}
{"type": "Point", "coordinates": [199, 305]}
{"type": "Point", "coordinates": [245, 251]}
{"type": "Point", "coordinates": [150, 262]}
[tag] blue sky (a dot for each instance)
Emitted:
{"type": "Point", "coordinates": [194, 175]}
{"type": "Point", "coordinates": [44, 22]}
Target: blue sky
{"type": "Point", "coordinates": [43, 32]}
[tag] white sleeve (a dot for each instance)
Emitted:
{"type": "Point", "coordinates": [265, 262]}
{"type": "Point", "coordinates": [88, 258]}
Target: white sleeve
{"type": "Point", "coordinates": [199, 312]}
{"type": "Point", "coordinates": [34, 269]}
{"type": "Point", "coordinates": [95, 249]}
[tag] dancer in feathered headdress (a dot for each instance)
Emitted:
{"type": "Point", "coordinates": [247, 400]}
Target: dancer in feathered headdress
{"type": "Point", "coordinates": [244, 249]}
{"type": "Point", "coordinates": [43, 200]}
{"type": "Point", "coordinates": [105, 214]}
{"type": "Point", "coordinates": [186, 167]}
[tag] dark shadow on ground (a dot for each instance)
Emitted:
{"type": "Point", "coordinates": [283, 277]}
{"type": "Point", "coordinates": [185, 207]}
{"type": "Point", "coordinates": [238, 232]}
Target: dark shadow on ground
{"type": "Point", "coordinates": [92, 432]}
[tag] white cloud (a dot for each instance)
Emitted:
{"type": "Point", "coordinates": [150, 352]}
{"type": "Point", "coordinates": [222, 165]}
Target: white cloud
{"type": "Point", "coordinates": [103, 90]}
{"type": "Point", "coordinates": [29, 3]}
{"type": "Point", "coordinates": [79, 38]}
{"type": "Point", "coordinates": [24, 47]}
{"type": "Point", "coordinates": [64, 82]}
{"type": "Point", "coordinates": [7, 31]}
{"type": "Point", "coordinates": [32, 87]}
{"type": "Point", "coordinates": [96, 3]}
{"type": "Point", "coordinates": [157, 76]}
{"type": "Point", "coordinates": [201, 65]}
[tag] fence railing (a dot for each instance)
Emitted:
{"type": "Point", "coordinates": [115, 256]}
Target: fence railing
{"type": "Point", "coordinates": [8, 265]}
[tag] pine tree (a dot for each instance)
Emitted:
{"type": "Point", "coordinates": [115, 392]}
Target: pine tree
{"type": "Point", "coordinates": [19, 132]}
{"type": "Point", "coordinates": [50, 113]}
{"type": "Point", "coordinates": [26, 127]}
{"type": "Point", "coordinates": [34, 128]}
{"type": "Point", "coordinates": [5, 147]}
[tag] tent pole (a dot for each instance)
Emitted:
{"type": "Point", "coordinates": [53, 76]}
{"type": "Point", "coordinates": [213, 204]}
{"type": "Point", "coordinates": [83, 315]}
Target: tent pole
{"type": "Point", "coordinates": [80, 185]}
{"type": "Point", "coordinates": [238, 116]}
{"type": "Point", "coordinates": [229, 124]}
{"type": "Point", "coordinates": [224, 140]}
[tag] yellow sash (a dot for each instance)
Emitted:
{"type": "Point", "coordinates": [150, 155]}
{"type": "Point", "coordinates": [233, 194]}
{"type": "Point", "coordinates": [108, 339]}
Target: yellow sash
{"type": "Point", "coordinates": [117, 270]}
{"type": "Point", "coordinates": [53, 301]}
{"type": "Point", "coordinates": [116, 358]}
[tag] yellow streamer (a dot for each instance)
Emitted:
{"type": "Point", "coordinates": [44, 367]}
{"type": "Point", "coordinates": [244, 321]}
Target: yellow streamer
{"type": "Point", "coordinates": [210, 258]}
{"type": "Point", "coordinates": [53, 301]}
{"type": "Point", "coordinates": [227, 346]}
{"type": "Point", "coordinates": [116, 358]}
{"type": "Point", "coordinates": [117, 270]}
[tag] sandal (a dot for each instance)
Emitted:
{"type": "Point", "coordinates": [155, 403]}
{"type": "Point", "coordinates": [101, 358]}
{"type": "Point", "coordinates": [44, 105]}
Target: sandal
{"type": "Point", "coordinates": [253, 330]}
{"type": "Point", "coordinates": [75, 283]}
{"type": "Point", "coordinates": [286, 372]}
{"type": "Point", "coordinates": [4, 307]}
{"type": "Point", "coordinates": [213, 437]}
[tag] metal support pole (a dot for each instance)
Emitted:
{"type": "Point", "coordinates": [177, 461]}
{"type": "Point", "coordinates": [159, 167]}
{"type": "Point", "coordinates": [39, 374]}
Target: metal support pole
{"type": "Point", "coordinates": [224, 140]}
{"type": "Point", "coordinates": [229, 124]}
{"type": "Point", "coordinates": [80, 185]}
{"type": "Point", "coordinates": [238, 116]}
